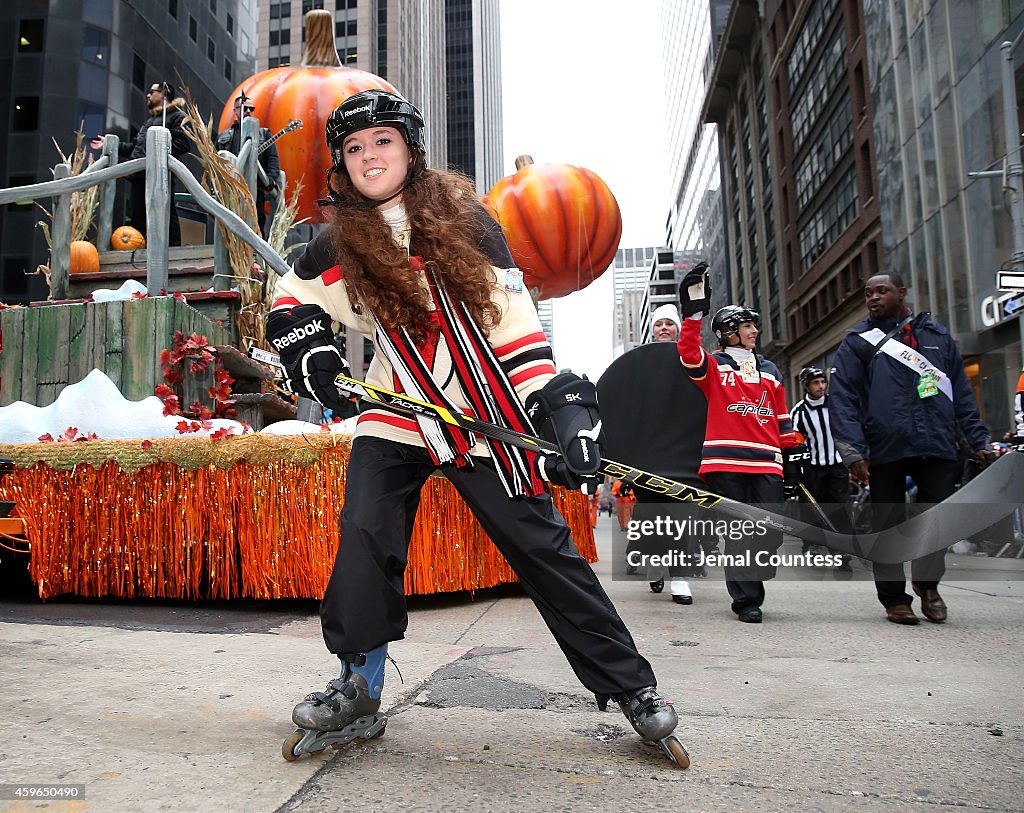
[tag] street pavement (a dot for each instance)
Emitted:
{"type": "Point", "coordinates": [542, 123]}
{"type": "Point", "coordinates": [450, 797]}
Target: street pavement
{"type": "Point", "coordinates": [824, 707]}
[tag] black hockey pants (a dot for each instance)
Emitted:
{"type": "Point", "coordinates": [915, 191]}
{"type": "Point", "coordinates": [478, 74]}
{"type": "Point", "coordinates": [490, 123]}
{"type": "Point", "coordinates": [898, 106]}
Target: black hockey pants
{"type": "Point", "coordinates": [364, 604]}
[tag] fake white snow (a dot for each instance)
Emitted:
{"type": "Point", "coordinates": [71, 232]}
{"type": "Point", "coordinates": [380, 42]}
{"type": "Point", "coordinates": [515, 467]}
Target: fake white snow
{"type": "Point", "coordinates": [345, 427]}
{"type": "Point", "coordinates": [125, 292]}
{"type": "Point", "coordinates": [95, 404]}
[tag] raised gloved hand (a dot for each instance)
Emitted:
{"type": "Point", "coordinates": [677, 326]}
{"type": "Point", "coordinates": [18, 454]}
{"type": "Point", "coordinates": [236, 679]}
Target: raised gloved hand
{"type": "Point", "coordinates": [695, 292]}
{"type": "Point", "coordinates": [565, 412]}
{"type": "Point", "coordinates": [793, 460]}
{"type": "Point", "coordinates": [311, 359]}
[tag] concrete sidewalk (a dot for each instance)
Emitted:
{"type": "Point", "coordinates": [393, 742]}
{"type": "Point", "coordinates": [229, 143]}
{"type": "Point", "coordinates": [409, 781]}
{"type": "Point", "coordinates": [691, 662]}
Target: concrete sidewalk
{"type": "Point", "coordinates": [825, 706]}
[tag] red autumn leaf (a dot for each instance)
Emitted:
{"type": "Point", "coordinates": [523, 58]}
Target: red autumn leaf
{"type": "Point", "coordinates": [223, 432]}
{"type": "Point", "coordinates": [171, 406]}
{"type": "Point", "coordinates": [147, 445]}
{"type": "Point", "coordinates": [138, 295]}
{"type": "Point", "coordinates": [47, 438]}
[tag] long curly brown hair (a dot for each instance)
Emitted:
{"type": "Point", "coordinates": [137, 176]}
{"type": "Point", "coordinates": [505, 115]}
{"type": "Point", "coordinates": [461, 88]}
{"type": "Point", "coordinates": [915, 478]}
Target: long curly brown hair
{"type": "Point", "coordinates": [444, 216]}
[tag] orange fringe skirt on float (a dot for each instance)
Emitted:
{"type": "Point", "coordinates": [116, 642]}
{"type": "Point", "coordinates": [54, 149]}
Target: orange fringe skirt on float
{"type": "Point", "coordinates": [255, 516]}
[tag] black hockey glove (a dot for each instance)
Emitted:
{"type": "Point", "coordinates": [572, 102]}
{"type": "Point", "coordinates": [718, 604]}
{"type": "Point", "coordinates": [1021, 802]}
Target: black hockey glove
{"type": "Point", "coordinates": [565, 412]}
{"type": "Point", "coordinates": [695, 292]}
{"type": "Point", "coordinates": [1016, 443]}
{"type": "Point", "coordinates": [793, 460]}
{"type": "Point", "coordinates": [311, 359]}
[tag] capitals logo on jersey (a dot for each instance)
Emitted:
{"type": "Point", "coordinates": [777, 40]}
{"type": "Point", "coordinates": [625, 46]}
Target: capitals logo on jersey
{"type": "Point", "coordinates": [761, 411]}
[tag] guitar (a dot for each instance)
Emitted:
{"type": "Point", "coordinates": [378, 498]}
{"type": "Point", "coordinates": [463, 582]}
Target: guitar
{"type": "Point", "coordinates": [294, 124]}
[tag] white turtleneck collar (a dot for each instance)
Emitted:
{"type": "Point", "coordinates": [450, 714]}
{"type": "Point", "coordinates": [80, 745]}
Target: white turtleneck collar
{"type": "Point", "coordinates": [814, 402]}
{"type": "Point", "coordinates": [739, 353]}
{"type": "Point", "coordinates": [398, 219]}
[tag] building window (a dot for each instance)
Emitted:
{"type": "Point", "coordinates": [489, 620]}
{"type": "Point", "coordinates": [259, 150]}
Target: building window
{"type": "Point", "coordinates": [26, 114]}
{"type": "Point", "coordinates": [345, 28]}
{"type": "Point", "coordinates": [228, 69]}
{"type": "Point", "coordinates": [211, 51]}
{"type": "Point", "coordinates": [172, 8]}
{"type": "Point", "coordinates": [96, 46]}
{"type": "Point", "coordinates": [213, 6]}
{"type": "Point", "coordinates": [139, 73]}
{"type": "Point", "coordinates": [30, 36]}
{"type": "Point", "coordinates": [309, 5]}
{"type": "Point", "coordinates": [93, 118]}
{"type": "Point", "coordinates": [231, 26]}
{"type": "Point", "coordinates": [193, 29]}
{"type": "Point", "coordinates": [282, 37]}
{"type": "Point", "coordinates": [349, 57]}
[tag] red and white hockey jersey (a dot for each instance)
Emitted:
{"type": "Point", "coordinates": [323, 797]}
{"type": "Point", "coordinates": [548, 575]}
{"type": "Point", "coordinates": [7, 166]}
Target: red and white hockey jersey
{"type": "Point", "coordinates": [748, 420]}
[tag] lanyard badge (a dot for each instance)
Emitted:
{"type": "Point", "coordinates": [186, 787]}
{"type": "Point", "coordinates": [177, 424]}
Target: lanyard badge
{"type": "Point", "coordinates": [927, 386]}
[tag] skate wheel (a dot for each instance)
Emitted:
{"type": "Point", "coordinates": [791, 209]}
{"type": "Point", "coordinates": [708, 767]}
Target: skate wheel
{"type": "Point", "coordinates": [375, 735]}
{"type": "Point", "coordinates": [288, 746]}
{"type": "Point", "coordinates": [677, 752]}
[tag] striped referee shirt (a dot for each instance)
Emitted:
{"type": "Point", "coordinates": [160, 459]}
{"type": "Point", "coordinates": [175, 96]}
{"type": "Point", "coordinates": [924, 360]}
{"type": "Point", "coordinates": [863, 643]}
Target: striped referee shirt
{"type": "Point", "coordinates": [810, 419]}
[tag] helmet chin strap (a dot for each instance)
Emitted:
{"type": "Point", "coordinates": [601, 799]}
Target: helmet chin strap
{"type": "Point", "coordinates": [366, 203]}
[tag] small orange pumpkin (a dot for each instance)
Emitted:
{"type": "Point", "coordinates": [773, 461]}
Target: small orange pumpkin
{"type": "Point", "coordinates": [85, 259]}
{"type": "Point", "coordinates": [126, 238]}
{"type": "Point", "coordinates": [309, 92]}
{"type": "Point", "coordinates": [562, 224]}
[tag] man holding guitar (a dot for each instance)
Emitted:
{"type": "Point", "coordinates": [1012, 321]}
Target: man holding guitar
{"type": "Point", "coordinates": [268, 157]}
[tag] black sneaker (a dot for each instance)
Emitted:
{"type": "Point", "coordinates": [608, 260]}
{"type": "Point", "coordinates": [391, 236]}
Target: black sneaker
{"type": "Point", "coordinates": [750, 615]}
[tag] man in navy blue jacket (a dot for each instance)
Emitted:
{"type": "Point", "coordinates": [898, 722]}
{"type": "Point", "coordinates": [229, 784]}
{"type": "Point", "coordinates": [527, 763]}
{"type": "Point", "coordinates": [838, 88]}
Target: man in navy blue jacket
{"type": "Point", "coordinates": [899, 394]}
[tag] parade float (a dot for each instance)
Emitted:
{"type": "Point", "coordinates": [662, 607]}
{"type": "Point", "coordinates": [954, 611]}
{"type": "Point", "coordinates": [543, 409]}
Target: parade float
{"type": "Point", "coordinates": [133, 415]}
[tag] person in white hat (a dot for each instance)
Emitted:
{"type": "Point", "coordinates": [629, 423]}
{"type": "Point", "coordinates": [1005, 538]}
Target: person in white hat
{"type": "Point", "coordinates": [665, 323]}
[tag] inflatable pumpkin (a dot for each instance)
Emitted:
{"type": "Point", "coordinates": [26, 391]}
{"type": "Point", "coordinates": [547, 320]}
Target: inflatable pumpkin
{"type": "Point", "coordinates": [308, 93]}
{"type": "Point", "coordinates": [562, 224]}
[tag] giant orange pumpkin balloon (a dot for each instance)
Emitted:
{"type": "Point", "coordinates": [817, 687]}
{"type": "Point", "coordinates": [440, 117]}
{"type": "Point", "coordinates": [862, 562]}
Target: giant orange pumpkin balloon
{"type": "Point", "coordinates": [562, 224]}
{"type": "Point", "coordinates": [308, 93]}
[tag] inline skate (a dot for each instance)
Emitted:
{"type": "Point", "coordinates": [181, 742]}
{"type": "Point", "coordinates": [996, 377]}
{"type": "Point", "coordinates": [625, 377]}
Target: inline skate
{"type": "Point", "coordinates": [653, 718]}
{"type": "Point", "coordinates": [348, 710]}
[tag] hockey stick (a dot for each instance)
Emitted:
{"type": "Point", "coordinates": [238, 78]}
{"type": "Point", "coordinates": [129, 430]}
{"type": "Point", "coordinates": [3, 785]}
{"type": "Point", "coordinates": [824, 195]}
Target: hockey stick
{"type": "Point", "coordinates": [1001, 485]}
{"type": "Point", "coordinates": [809, 498]}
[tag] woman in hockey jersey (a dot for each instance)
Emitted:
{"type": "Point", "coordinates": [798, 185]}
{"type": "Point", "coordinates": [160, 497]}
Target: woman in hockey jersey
{"type": "Point", "coordinates": [414, 262]}
{"type": "Point", "coordinates": [748, 426]}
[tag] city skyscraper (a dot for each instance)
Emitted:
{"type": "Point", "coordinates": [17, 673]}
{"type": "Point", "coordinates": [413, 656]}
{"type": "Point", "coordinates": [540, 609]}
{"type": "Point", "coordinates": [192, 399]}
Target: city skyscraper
{"type": "Point", "coordinates": [690, 34]}
{"type": "Point", "coordinates": [473, 81]}
{"type": "Point", "coordinates": [631, 271]}
{"type": "Point", "coordinates": [443, 55]}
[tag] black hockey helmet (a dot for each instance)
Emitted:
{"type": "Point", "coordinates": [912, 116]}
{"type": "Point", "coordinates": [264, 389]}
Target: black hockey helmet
{"type": "Point", "coordinates": [728, 320]}
{"type": "Point", "coordinates": [371, 108]}
{"type": "Point", "coordinates": [808, 374]}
